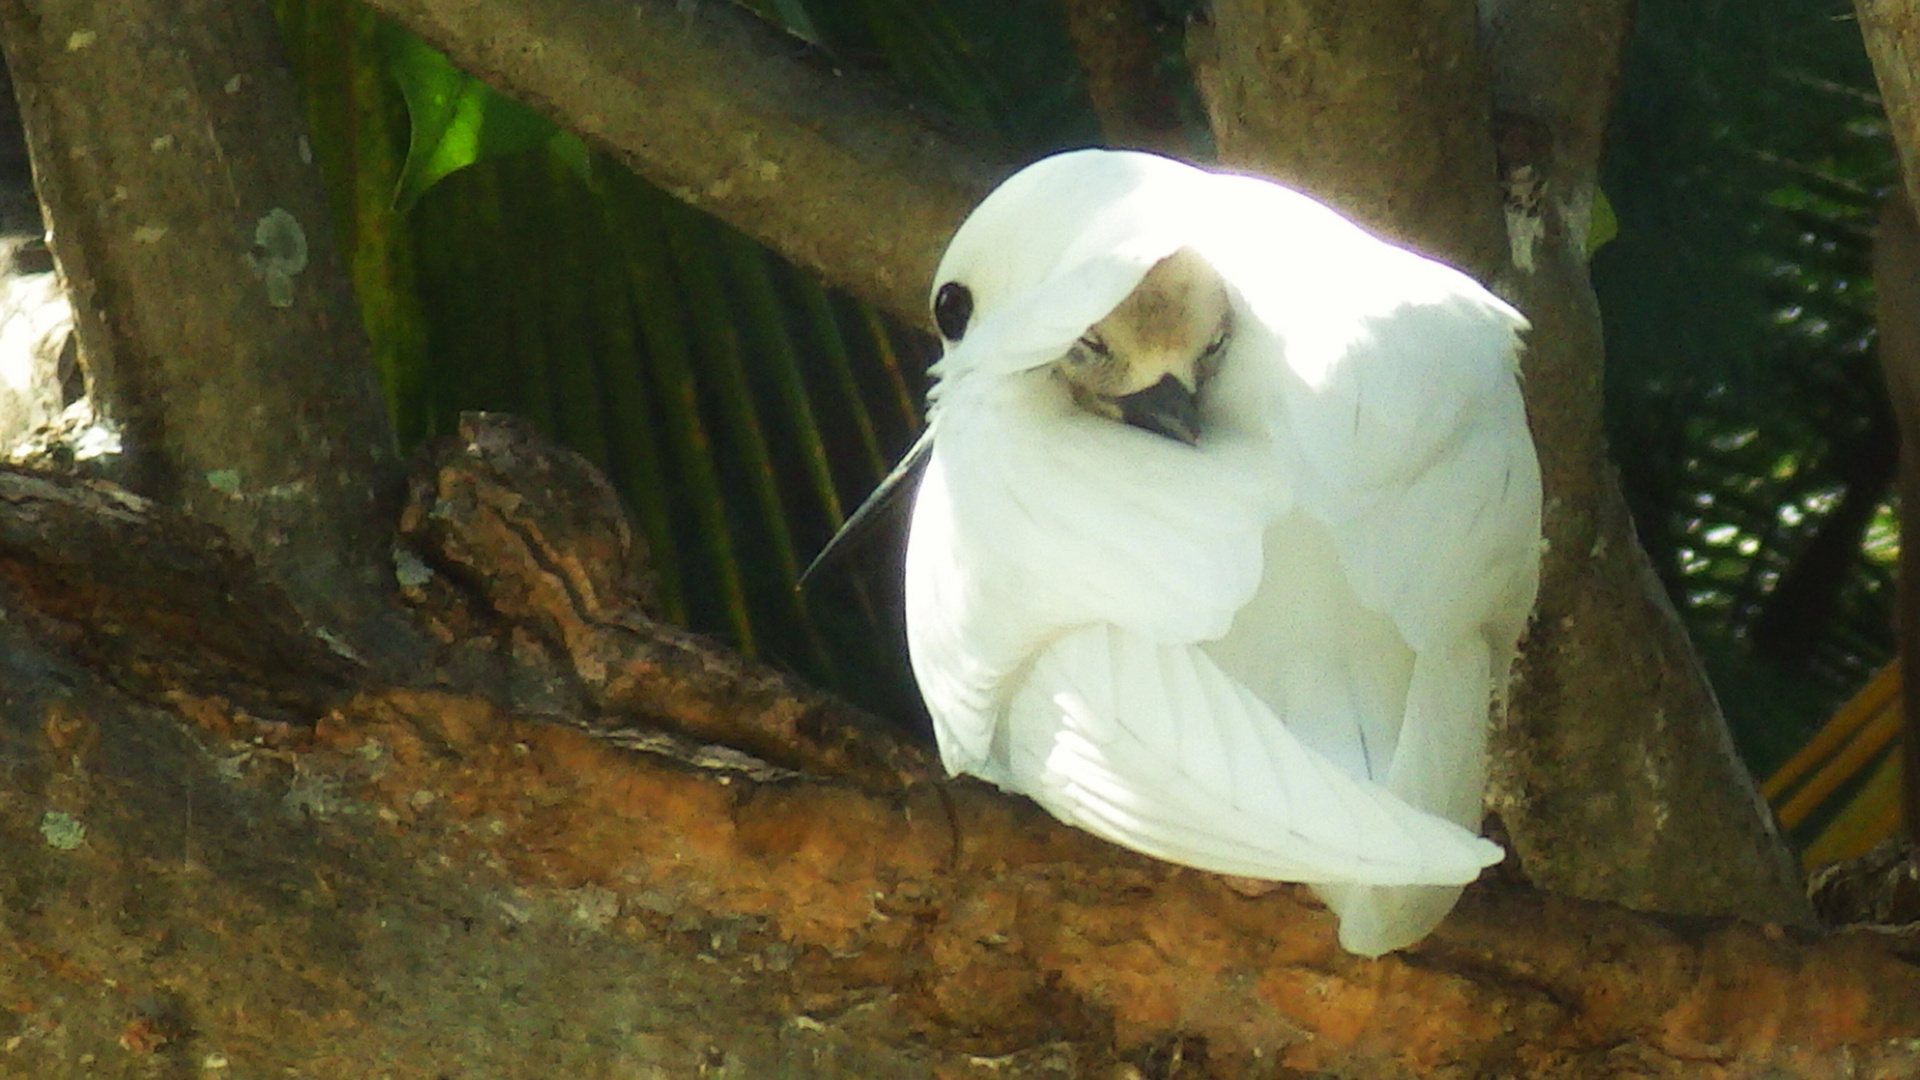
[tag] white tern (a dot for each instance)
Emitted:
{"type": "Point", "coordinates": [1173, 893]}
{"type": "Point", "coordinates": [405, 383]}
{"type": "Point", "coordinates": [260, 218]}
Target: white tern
{"type": "Point", "coordinates": [1229, 528]}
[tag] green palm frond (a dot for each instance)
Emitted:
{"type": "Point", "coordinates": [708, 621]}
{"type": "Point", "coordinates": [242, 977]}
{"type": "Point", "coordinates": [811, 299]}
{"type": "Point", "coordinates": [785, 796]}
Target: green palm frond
{"type": "Point", "coordinates": [1744, 407]}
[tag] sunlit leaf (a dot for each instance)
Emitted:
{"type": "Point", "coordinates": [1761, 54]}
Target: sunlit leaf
{"type": "Point", "coordinates": [456, 119]}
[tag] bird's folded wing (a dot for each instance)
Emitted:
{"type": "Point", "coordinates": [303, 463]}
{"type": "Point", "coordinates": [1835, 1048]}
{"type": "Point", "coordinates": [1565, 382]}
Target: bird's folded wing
{"type": "Point", "coordinates": [1151, 746]}
{"type": "Point", "coordinates": [1438, 765]}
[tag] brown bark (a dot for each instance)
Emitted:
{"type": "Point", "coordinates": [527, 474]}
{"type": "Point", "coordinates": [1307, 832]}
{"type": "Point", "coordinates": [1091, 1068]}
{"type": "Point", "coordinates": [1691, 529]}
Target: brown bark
{"type": "Point", "coordinates": [1615, 777]}
{"type": "Point", "coordinates": [428, 881]}
{"type": "Point", "coordinates": [1892, 32]}
{"type": "Point", "coordinates": [1891, 29]}
{"type": "Point", "coordinates": [573, 603]}
{"type": "Point", "coordinates": [1896, 278]}
{"type": "Point", "coordinates": [213, 315]}
{"type": "Point", "coordinates": [1620, 780]}
{"type": "Point", "coordinates": [1386, 115]}
{"type": "Point", "coordinates": [1128, 84]}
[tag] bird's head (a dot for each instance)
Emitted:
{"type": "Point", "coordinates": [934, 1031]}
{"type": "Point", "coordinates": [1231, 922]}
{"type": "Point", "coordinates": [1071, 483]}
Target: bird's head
{"type": "Point", "coordinates": [1146, 360]}
{"type": "Point", "coordinates": [1080, 265]}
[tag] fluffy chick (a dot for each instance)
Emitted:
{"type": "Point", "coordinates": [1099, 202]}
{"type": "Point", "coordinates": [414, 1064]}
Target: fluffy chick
{"type": "Point", "coordinates": [1145, 363]}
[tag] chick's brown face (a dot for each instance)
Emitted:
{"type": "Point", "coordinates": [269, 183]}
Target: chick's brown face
{"type": "Point", "coordinates": [1145, 362]}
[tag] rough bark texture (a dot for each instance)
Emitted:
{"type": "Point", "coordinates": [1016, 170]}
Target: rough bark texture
{"type": "Point", "coordinates": [563, 627]}
{"type": "Point", "coordinates": [1616, 778]}
{"type": "Point", "coordinates": [1892, 32]}
{"type": "Point", "coordinates": [430, 881]}
{"type": "Point", "coordinates": [733, 116]}
{"type": "Point", "coordinates": [213, 315]}
{"type": "Point", "coordinates": [1384, 115]}
{"type": "Point", "coordinates": [1891, 29]}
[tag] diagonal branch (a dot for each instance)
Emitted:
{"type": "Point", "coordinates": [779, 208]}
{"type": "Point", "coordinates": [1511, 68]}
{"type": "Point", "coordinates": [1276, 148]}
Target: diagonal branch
{"type": "Point", "coordinates": [733, 116]}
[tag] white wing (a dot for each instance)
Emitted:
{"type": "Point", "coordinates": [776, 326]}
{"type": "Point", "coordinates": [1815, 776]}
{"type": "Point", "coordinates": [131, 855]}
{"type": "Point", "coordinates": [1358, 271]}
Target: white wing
{"type": "Point", "coordinates": [1387, 386]}
{"type": "Point", "coordinates": [1034, 518]}
{"type": "Point", "coordinates": [1272, 655]}
{"type": "Point", "coordinates": [1152, 746]}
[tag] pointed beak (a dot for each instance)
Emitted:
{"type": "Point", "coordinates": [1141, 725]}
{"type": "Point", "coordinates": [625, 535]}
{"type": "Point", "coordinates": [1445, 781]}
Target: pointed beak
{"type": "Point", "coordinates": [1165, 408]}
{"type": "Point", "coordinates": [892, 493]}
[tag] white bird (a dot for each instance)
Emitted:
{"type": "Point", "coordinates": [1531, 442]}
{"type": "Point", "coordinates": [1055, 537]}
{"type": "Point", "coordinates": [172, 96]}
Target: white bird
{"type": "Point", "coordinates": [1229, 529]}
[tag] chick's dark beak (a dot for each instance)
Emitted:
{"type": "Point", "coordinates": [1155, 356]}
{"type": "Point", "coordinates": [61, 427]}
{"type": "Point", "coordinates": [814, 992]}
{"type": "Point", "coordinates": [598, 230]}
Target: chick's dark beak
{"type": "Point", "coordinates": [1166, 408]}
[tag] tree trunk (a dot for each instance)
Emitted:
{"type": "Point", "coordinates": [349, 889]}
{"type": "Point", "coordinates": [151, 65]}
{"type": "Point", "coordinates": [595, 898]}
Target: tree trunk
{"type": "Point", "coordinates": [1892, 32]}
{"type": "Point", "coordinates": [213, 314]}
{"type": "Point", "coordinates": [1615, 776]}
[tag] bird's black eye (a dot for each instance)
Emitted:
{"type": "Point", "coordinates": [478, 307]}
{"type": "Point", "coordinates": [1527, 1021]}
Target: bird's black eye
{"type": "Point", "coordinates": [1093, 344]}
{"type": "Point", "coordinates": [953, 310]}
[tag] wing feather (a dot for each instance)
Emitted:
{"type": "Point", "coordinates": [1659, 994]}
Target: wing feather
{"type": "Point", "coordinates": [1131, 739]}
{"type": "Point", "coordinates": [1386, 387]}
{"type": "Point", "coordinates": [1035, 517]}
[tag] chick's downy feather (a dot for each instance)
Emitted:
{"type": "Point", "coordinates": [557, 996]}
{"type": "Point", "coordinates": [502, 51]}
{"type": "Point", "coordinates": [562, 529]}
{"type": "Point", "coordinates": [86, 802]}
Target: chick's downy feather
{"type": "Point", "coordinates": [1271, 653]}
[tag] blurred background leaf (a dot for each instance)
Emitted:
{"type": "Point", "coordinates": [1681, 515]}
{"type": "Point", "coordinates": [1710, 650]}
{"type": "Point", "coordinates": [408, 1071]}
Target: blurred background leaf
{"type": "Point", "coordinates": [1746, 165]}
{"type": "Point", "coordinates": [742, 409]}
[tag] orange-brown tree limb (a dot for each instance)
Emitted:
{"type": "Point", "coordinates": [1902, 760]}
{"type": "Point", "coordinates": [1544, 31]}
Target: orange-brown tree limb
{"type": "Point", "coordinates": [872, 895]}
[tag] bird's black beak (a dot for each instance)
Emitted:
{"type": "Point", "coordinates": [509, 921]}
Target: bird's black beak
{"type": "Point", "coordinates": [1166, 408]}
{"type": "Point", "coordinates": [903, 481]}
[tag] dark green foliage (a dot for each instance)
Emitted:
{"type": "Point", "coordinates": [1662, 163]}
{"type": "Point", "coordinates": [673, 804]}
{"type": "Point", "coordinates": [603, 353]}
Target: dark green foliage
{"type": "Point", "coordinates": [1745, 410]}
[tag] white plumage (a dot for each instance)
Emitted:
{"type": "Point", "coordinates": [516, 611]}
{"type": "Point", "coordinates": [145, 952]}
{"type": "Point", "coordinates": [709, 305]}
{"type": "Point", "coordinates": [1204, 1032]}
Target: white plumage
{"type": "Point", "coordinates": [1271, 652]}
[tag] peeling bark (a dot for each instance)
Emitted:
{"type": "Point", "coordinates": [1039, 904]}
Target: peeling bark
{"type": "Point", "coordinates": [530, 565]}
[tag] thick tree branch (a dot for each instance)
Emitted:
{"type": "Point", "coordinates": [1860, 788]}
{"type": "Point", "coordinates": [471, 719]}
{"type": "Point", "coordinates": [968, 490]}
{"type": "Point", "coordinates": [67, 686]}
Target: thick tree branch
{"type": "Point", "coordinates": [1127, 81]}
{"type": "Point", "coordinates": [213, 315]}
{"type": "Point", "coordinates": [1892, 32]}
{"type": "Point", "coordinates": [522, 548]}
{"type": "Point", "coordinates": [739, 119]}
{"type": "Point", "coordinates": [1390, 126]}
{"type": "Point", "coordinates": [426, 862]}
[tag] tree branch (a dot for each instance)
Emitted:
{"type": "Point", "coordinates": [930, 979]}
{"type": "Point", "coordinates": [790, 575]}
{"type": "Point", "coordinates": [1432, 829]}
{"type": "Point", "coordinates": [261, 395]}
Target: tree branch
{"type": "Point", "coordinates": [1891, 29]}
{"type": "Point", "coordinates": [739, 119]}
{"type": "Point", "coordinates": [428, 861]}
{"type": "Point", "coordinates": [214, 317]}
{"type": "Point", "coordinates": [1127, 82]}
{"type": "Point", "coordinates": [1616, 775]}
